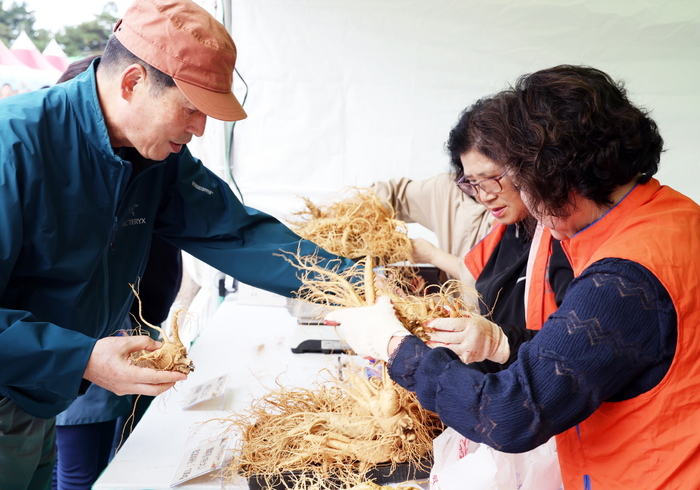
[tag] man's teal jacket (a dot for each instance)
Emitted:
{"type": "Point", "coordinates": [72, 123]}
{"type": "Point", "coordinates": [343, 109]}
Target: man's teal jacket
{"type": "Point", "coordinates": [75, 230]}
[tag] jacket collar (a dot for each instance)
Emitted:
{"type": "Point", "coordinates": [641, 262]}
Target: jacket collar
{"type": "Point", "coordinates": [82, 94]}
{"type": "Point", "coordinates": [581, 247]}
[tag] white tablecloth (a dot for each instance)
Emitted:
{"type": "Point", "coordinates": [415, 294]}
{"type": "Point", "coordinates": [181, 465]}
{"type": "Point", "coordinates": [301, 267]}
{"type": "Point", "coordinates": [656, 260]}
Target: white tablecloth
{"type": "Point", "coordinates": [249, 343]}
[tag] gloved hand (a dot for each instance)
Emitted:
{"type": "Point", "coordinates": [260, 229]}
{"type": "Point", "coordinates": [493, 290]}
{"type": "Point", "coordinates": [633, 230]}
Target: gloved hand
{"type": "Point", "coordinates": [473, 339]}
{"type": "Point", "coordinates": [368, 329]}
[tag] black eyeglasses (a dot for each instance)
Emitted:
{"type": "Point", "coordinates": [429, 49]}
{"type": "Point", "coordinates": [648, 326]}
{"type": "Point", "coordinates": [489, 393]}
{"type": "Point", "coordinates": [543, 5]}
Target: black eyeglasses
{"type": "Point", "coordinates": [490, 186]}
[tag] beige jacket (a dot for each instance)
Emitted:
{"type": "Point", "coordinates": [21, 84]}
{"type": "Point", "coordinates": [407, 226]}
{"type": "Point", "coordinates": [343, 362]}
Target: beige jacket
{"type": "Point", "coordinates": [458, 221]}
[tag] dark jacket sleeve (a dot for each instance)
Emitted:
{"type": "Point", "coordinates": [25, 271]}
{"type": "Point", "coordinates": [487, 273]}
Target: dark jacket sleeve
{"type": "Point", "coordinates": [202, 216]}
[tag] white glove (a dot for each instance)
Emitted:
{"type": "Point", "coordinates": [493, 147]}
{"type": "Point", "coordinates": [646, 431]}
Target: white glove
{"type": "Point", "coordinates": [473, 339]}
{"type": "Point", "coordinates": [368, 329]}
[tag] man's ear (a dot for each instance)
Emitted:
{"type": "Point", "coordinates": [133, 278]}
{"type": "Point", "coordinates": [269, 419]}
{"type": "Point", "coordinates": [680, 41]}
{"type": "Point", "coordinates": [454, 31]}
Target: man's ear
{"type": "Point", "coordinates": [132, 79]}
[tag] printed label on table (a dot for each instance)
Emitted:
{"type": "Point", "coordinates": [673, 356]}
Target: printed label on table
{"type": "Point", "coordinates": [206, 391]}
{"type": "Point", "coordinates": [202, 460]}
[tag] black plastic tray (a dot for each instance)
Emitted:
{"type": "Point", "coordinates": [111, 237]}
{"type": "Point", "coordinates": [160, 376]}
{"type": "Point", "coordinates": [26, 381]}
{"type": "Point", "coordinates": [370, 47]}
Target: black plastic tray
{"type": "Point", "coordinates": [381, 474]}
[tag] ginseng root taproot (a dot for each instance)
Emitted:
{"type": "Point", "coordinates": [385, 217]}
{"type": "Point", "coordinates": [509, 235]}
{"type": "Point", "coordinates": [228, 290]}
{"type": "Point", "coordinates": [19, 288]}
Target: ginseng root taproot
{"type": "Point", "coordinates": [171, 355]}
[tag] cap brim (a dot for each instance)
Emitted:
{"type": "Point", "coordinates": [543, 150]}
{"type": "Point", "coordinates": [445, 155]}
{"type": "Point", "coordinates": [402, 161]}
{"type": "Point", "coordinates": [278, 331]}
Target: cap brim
{"type": "Point", "coordinates": [222, 106]}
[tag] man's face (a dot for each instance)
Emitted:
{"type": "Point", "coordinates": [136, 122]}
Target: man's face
{"type": "Point", "coordinates": [159, 125]}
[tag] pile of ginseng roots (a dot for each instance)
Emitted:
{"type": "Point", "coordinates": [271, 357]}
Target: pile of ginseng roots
{"type": "Point", "coordinates": [356, 224]}
{"type": "Point", "coordinates": [330, 437]}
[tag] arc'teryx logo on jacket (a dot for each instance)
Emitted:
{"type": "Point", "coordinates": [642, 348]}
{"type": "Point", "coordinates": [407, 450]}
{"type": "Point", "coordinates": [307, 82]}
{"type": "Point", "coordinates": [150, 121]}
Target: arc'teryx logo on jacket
{"type": "Point", "coordinates": [133, 221]}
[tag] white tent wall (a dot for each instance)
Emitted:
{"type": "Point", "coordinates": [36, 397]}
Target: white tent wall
{"type": "Point", "coordinates": [344, 92]}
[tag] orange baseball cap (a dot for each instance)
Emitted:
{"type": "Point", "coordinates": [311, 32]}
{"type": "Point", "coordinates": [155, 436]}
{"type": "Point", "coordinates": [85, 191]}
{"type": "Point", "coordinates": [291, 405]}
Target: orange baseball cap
{"type": "Point", "coordinates": [181, 39]}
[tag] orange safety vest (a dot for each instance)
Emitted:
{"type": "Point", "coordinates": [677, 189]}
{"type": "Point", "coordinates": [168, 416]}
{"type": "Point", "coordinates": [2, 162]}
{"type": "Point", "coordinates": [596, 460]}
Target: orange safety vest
{"type": "Point", "coordinates": [539, 300]}
{"type": "Point", "coordinates": [651, 441]}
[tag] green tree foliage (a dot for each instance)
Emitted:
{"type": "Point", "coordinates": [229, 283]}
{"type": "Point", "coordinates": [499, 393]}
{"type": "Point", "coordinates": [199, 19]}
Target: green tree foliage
{"type": "Point", "coordinates": [89, 37]}
{"type": "Point", "coordinates": [81, 40]}
{"type": "Point", "coordinates": [15, 18]}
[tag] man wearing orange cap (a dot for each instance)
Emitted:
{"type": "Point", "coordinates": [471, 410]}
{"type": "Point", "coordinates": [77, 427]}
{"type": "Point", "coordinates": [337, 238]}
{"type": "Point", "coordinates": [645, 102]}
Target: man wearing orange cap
{"type": "Point", "coordinates": [89, 170]}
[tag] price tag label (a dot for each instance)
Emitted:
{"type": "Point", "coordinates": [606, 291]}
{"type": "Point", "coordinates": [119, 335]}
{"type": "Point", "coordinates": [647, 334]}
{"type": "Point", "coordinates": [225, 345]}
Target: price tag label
{"type": "Point", "coordinates": [206, 391]}
{"type": "Point", "coordinates": [201, 460]}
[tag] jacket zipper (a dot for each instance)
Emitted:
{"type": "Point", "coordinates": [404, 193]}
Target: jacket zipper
{"type": "Point", "coordinates": [114, 234]}
{"type": "Point", "coordinates": [112, 246]}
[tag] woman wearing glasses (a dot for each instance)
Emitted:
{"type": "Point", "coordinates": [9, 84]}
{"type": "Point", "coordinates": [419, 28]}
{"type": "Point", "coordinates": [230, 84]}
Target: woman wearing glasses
{"type": "Point", "coordinates": [514, 264]}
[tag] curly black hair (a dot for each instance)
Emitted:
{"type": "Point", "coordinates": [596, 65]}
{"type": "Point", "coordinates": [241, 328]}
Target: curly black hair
{"type": "Point", "coordinates": [572, 129]}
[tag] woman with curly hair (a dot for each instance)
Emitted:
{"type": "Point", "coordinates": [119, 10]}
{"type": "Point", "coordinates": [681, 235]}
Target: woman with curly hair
{"type": "Point", "coordinates": [615, 371]}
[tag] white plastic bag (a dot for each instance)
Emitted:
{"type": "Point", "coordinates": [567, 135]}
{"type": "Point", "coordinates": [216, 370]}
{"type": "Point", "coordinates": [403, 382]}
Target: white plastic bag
{"type": "Point", "coordinates": [461, 464]}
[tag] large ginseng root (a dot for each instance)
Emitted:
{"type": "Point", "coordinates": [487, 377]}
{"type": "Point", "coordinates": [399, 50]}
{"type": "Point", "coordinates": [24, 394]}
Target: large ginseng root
{"type": "Point", "coordinates": [171, 355]}
{"type": "Point", "coordinates": [332, 437]}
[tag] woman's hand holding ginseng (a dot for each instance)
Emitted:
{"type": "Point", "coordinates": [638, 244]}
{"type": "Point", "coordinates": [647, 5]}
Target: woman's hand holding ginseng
{"type": "Point", "coordinates": [423, 251]}
{"type": "Point", "coordinates": [473, 339]}
{"type": "Point", "coordinates": [368, 329]}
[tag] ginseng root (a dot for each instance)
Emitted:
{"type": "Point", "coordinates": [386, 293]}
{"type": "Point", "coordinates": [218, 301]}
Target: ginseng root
{"type": "Point", "coordinates": [171, 355]}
